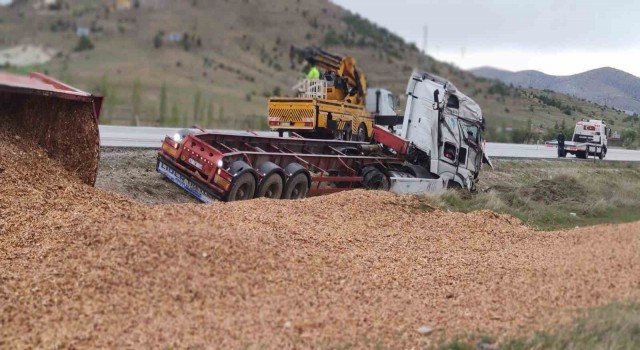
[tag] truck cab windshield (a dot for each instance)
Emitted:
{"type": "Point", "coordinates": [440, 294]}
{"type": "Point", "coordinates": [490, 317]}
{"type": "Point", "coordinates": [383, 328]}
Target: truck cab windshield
{"type": "Point", "coordinates": [471, 132]}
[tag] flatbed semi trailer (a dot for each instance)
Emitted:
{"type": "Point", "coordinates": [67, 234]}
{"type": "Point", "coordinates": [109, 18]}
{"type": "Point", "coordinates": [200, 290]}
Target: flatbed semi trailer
{"type": "Point", "coordinates": [219, 166]}
{"type": "Point", "coordinates": [440, 147]}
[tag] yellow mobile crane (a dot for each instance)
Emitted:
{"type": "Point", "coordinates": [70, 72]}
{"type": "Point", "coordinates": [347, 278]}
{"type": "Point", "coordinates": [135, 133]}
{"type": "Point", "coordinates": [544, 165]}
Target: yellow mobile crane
{"type": "Point", "coordinates": [331, 107]}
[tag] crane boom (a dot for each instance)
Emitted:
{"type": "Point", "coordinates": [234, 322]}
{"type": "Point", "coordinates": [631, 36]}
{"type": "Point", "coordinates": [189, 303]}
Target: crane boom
{"type": "Point", "coordinates": [344, 67]}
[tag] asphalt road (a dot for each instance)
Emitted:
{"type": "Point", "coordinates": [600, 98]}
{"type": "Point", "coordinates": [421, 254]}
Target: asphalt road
{"type": "Point", "coordinates": [145, 137]}
{"type": "Point", "coordinates": [509, 150]}
{"type": "Point", "coordinates": [151, 137]}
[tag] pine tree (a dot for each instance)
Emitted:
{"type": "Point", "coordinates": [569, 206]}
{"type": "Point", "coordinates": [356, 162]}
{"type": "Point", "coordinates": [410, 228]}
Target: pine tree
{"type": "Point", "coordinates": [163, 104]}
{"type": "Point", "coordinates": [209, 122]}
{"type": "Point", "coordinates": [111, 101]}
{"type": "Point", "coordinates": [197, 106]}
{"type": "Point", "coordinates": [136, 103]}
{"type": "Point", "coordinates": [221, 113]}
{"type": "Point", "coordinates": [105, 90]}
{"type": "Point", "coordinates": [174, 120]}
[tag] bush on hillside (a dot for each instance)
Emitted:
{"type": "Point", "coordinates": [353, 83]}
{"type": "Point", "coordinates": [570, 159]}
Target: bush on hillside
{"type": "Point", "coordinates": [331, 39]}
{"type": "Point", "coordinates": [499, 88]}
{"type": "Point", "coordinates": [629, 137]}
{"type": "Point", "coordinates": [84, 44]}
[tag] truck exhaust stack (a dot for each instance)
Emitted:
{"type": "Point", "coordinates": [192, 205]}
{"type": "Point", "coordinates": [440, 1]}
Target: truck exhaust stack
{"type": "Point", "coordinates": [59, 118]}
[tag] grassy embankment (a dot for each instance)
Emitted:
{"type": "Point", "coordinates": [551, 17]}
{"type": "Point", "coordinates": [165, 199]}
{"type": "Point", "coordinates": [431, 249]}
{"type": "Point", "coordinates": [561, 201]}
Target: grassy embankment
{"type": "Point", "coordinates": [615, 326]}
{"type": "Point", "coordinates": [549, 194]}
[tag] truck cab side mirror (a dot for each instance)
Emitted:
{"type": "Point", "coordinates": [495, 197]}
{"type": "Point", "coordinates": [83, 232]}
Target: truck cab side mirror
{"type": "Point", "coordinates": [436, 99]}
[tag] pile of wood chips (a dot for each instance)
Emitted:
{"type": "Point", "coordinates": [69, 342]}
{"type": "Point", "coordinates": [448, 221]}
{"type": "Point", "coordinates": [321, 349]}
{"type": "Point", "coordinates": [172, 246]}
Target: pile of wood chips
{"type": "Point", "coordinates": [83, 268]}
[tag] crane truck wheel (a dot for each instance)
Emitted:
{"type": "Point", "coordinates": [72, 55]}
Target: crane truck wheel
{"type": "Point", "coordinates": [243, 188]}
{"type": "Point", "coordinates": [361, 133]}
{"type": "Point", "coordinates": [374, 179]}
{"type": "Point", "coordinates": [297, 187]}
{"type": "Point", "coordinates": [347, 133]}
{"type": "Point", "coordinates": [271, 187]}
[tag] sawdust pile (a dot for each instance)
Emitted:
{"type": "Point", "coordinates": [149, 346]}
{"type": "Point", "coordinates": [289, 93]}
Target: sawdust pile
{"type": "Point", "coordinates": [80, 267]}
{"type": "Point", "coordinates": [66, 129]}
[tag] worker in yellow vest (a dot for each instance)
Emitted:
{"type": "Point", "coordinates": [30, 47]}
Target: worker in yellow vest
{"type": "Point", "coordinates": [314, 73]}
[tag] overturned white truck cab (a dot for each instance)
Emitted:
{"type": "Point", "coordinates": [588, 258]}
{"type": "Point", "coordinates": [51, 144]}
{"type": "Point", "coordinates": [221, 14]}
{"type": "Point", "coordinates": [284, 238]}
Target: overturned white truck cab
{"type": "Point", "coordinates": [445, 128]}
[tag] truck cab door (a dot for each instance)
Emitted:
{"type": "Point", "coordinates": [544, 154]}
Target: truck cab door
{"type": "Point", "coordinates": [420, 124]}
{"type": "Point", "coordinates": [450, 140]}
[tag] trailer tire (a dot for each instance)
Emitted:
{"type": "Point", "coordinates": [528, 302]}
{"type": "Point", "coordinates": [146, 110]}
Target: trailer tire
{"type": "Point", "coordinates": [243, 188]}
{"type": "Point", "coordinates": [297, 187]}
{"type": "Point", "coordinates": [367, 169]}
{"type": "Point", "coordinates": [375, 179]}
{"type": "Point", "coordinates": [603, 153]}
{"type": "Point", "coordinates": [271, 187]}
{"type": "Point", "coordinates": [239, 167]}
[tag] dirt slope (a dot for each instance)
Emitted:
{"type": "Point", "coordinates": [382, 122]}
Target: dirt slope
{"type": "Point", "coordinates": [80, 267]}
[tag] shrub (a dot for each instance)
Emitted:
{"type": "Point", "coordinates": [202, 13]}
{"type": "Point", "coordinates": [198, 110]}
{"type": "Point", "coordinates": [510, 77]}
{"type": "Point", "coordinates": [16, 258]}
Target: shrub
{"type": "Point", "coordinates": [84, 44]}
{"type": "Point", "coordinates": [157, 40]}
{"type": "Point", "coordinates": [628, 137]}
{"type": "Point", "coordinates": [499, 88]}
{"type": "Point", "coordinates": [331, 38]}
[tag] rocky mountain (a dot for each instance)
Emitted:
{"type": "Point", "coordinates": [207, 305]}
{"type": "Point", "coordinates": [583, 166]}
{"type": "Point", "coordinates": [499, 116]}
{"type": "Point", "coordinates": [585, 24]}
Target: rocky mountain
{"type": "Point", "coordinates": [607, 86]}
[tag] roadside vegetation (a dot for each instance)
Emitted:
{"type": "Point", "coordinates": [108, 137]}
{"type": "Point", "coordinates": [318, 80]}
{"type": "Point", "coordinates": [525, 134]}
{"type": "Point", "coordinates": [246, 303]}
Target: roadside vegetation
{"type": "Point", "coordinates": [549, 194]}
{"type": "Point", "coordinates": [614, 326]}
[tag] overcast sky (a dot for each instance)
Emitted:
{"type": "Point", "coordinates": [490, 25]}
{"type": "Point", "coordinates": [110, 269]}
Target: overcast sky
{"type": "Point", "coordinates": [558, 37]}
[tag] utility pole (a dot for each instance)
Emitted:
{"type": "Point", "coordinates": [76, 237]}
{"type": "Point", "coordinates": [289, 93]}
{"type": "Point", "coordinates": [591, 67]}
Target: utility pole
{"type": "Point", "coordinates": [424, 46]}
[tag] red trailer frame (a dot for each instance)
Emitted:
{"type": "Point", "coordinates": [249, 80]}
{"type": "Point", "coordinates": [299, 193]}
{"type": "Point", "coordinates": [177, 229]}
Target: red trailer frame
{"type": "Point", "coordinates": [206, 164]}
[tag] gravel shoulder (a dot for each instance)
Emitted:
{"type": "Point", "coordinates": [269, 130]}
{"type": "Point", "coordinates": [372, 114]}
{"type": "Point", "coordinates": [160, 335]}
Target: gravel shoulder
{"type": "Point", "coordinates": [132, 173]}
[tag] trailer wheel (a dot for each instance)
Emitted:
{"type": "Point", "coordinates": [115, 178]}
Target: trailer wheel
{"type": "Point", "coordinates": [361, 135]}
{"type": "Point", "coordinates": [271, 187]}
{"type": "Point", "coordinates": [296, 187]}
{"type": "Point", "coordinates": [375, 179]}
{"type": "Point", "coordinates": [243, 188]}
